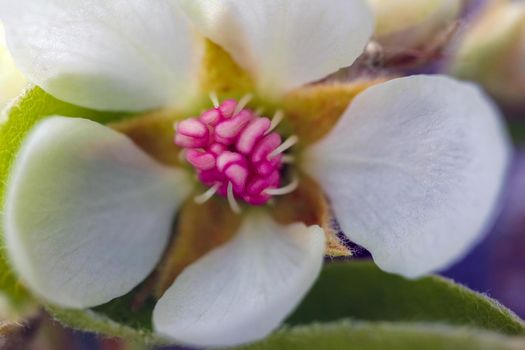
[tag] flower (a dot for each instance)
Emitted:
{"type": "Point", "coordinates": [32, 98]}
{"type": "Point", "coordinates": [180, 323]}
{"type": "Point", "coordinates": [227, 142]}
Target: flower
{"type": "Point", "coordinates": [409, 25]}
{"type": "Point", "coordinates": [492, 52]}
{"type": "Point", "coordinates": [412, 168]}
{"type": "Point", "coordinates": [11, 80]}
{"type": "Point", "coordinates": [409, 34]}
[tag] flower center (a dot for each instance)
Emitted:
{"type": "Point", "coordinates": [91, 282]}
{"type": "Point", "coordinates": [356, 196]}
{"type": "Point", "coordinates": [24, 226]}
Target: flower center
{"type": "Point", "coordinates": [236, 152]}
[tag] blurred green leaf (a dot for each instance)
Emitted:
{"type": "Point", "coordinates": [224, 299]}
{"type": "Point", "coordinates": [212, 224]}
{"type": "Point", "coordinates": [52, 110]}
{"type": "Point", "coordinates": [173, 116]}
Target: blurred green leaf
{"type": "Point", "coordinates": [355, 290]}
{"type": "Point", "coordinates": [359, 290]}
{"type": "Point", "coordinates": [354, 335]}
{"type": "Point", "coordinates": [100, 323]}
{"type": "Point", "coordinates": [33, 106]}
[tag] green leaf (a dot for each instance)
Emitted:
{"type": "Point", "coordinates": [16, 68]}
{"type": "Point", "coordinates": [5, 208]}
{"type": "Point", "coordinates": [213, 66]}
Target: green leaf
{"type": "Point", "coordinates": [33, 106]}
{"type": "Point", "coordinates": [359, 290]}
{"type": "Point", "coordinates": [345, 290]}
{"type": "Point", "coordinates": [355, 335]}
{"type": "Point", "coordinates": [97, 322]}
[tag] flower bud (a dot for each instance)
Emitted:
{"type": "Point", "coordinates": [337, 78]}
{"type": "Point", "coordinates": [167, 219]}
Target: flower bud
{"type": "Point", "coordinates": [12, 81]}
{"type": "Point", "coordinates": [492, 52]}
{"type": "Point", "coordinates": [408, 25]}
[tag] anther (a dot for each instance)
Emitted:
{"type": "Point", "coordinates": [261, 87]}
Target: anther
{"type": "Point", "coordinates": [200, 159]}
{"type": "Point", "coordinates": [251, 134]}
{"type": "Point", "coordinates": [232, 201]}
{"type": "Point", "coordinates": [192, 133]}
{"type": "Point", "coordinates": [227, 108]}
{"type": "Point", "coordinates": [211, 117]}
{"type": "Point", "coordinates": [276, 120]}
{"type": "Point", "coordinates": [206, 196]}
{"type": "Point", "coordinates": [265, 146]}
{"type": "Point", "coordinates": [292, 186]}
{"type": "Point", "coordinates": [290, 142]}
{"type": "Point", "coordinates": [229, 130]}
{"type": "Point", "coordinates": [242, 103]}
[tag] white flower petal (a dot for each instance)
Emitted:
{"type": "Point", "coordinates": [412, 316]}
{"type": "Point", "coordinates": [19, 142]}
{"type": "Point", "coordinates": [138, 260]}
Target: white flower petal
{"type": "Point", "coordinates": [87, 213]}
{"type": "Point", "coordinates": [414, 170]}
{"type": "Point", "coordinates": [286, 43]}
{"type": "Point", "coordinates": [243, 290]}
{"type": "Point", "coordinates": [107, 55]}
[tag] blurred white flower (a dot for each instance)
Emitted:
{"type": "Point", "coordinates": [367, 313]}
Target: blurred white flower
{"type": "Point", "coordinates": [417, 28]}
{"type": "Point", "coordinates": [492, 52]}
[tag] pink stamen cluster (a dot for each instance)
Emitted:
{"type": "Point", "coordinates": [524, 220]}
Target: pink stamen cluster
{"type": "Point", "coordinates": [233, 148]}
